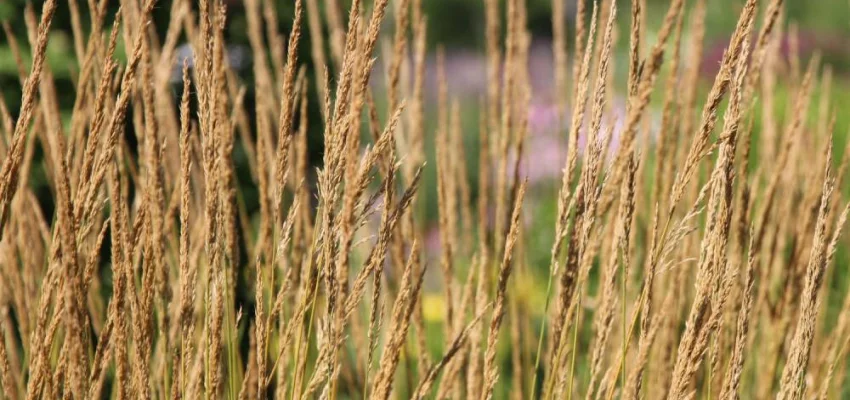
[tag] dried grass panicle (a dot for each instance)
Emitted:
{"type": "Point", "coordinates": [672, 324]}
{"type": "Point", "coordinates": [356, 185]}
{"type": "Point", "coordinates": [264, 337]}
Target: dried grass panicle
{"type": "Point", "coordinates": [566, 199]}
{"type": "Point", "coordinates": [9, 174]}
{"type": "Point", "coordinates": [287, 108]}
{"type": "Point", "coordinates": [9, 383]}
{"type": "Point", "coordinates": [604, 318]}
{"type": "Point", "coordinates": [455, 346]}
{"type": "Point", "coordinates": [642, 81]}
{"type": "Point", "coordinates": [732, 379]}
{"type": "Point", "coordinates": [587, 193]}
{"type": "Point", "coordinates": [837, 346]}
{"type": "Point", "coordinates": [792, 383]}
{"type": "Point", "coordinates": [411, 284]}
{"type": "Point", "coordinates": [188, 272]}
{"type": "Point", "coordinates": [700, 145]}
{"type": "Point", "coordinates": [491, 374]}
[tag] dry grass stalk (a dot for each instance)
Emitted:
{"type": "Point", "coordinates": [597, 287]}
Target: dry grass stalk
{"type": "Point", "coordinates": [732, 379]}
{"type": "Point", "coordinates": [604, 319]}
{"type": "Point", "coordinates": [715, 274]}
{"type": "Point", "coordinates": [792, 384]}
{"type": "Point", "coordinates": [454, 347]}
{"type": "Point", "coordinates": [566, 201]}
{"type": "Point", "coordinates": [491, 374]}
{"type": "Point", "coordinates": [10, 386]}
{"type": "Point", "coordinates": [9, 173]}
{"type": "Point", "coordinates": [586, 196]}
{"type": "Point", "coordinates": [411, 283]}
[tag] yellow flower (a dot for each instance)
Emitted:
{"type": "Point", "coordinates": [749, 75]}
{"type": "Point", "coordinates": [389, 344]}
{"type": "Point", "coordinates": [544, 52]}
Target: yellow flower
{"type": "Point", "coordinates": [433, 307]}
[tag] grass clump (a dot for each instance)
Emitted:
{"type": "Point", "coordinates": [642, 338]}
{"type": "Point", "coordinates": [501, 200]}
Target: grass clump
{"type": "Point", "coordinates": [680, 266]}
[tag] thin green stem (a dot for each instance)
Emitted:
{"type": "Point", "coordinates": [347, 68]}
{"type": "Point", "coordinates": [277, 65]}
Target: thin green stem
{"type": "Point", "coordinates": [541, 334]}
